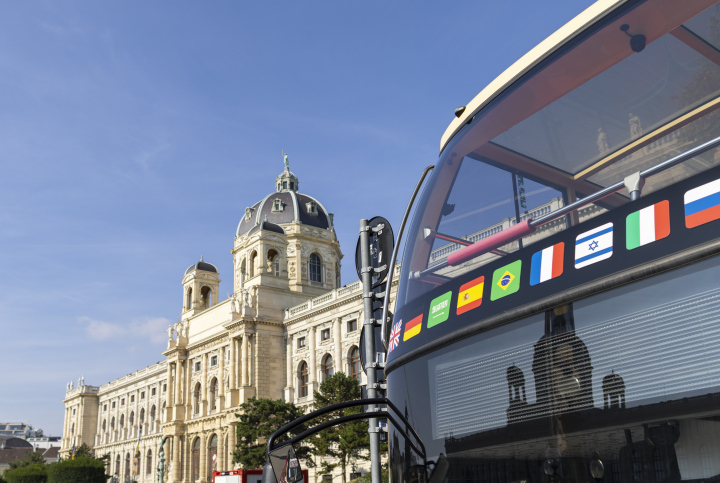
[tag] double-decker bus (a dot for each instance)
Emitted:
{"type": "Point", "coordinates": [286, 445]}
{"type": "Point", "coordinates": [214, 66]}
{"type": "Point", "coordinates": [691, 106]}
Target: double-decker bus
{"type": "Point", "coordinates": [558, 309]}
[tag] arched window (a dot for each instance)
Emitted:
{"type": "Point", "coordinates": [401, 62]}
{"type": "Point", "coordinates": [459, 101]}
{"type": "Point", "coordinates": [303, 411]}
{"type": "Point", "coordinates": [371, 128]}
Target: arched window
{"type": "Point", "coordinates": [196, 460]}
{"type": "Point", "coordinates": [212, 456]}
{"type": "Point", "coordinates": [127, 466]}
{"type": "Point", "coordinates": [142, 415]}
{"type": "Point", "coordinates": [162, 413]}
{"type": "Point", "coordinates": [188, 302]}
{"type": "Point", "coordinates": [122, 421]}
{"type": "Point", "coordinates": [205, 297]}
{"type": "Point", "coordinates": [253, 260]}
{"type": "Point", "coordinates": [327, 367]}
{"type": "Point", "coordinates": [72, 429]}
{"type": "Point", "coordinates": [355, 368]}
{"type": "Point", "coordinates": [152, 413]}
{"type": "Point", "coordinates": [196, 398]}
{"type": "Point", "coordinates": [112, 423]}
{"type": "Point", "coordinates": [303, 379]}
{"type": "Point", "coordinates": [148, 469]}
{"type": "Point", "coordinates": [104, 425]}
{"type": "Point", "coordinates": [315, 268]}
{"type": "Point", "coordinates": [273, 262]}
{"type": "Point", "coordinates": [131, 420]}
{"type": "Point", "coordinates": [214, 393]}
{"type": "Point", "coordinates": [117, 465]}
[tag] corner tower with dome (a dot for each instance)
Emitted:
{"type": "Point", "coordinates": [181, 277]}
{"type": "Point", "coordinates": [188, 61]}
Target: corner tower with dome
{"type": "Point", "coordinates": [286, 327]}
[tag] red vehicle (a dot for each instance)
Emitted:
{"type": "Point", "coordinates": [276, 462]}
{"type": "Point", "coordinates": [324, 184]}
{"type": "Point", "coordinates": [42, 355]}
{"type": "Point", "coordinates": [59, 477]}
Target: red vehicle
{"type": "Point", "coordinates": [243, 476]}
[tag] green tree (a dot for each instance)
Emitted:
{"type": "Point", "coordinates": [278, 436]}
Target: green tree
{"type": "Point", "coordinates": [345, 440]}
{"type": "Point", "coordinates": [84, 450]}
{"type": "Point", "coordinates": [259, 419]}
{"type": "Point", "coordinates": [32, 458]}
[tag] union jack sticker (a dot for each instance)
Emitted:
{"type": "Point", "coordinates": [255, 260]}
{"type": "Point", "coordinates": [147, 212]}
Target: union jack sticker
{"type": "Point", "coordinates": [395, 336]}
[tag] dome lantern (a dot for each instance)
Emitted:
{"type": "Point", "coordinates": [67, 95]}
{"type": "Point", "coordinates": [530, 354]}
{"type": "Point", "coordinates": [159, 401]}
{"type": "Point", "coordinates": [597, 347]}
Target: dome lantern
{"type": "Point", "coordinates": [286, 181]}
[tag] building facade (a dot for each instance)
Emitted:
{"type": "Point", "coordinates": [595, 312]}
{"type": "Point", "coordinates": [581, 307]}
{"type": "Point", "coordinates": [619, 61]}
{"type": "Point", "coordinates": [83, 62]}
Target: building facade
{"type": "Point", "coordinates": [287, 326]}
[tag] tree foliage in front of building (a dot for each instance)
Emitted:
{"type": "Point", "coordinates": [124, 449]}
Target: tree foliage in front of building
{"type": "Point", "coordinates": [259, 419]}
{"type": "Point", "coordinates": [31, 473]}
{"type": "Point", "coordinates": [345, 440]}
{"type": "Point", "coordinates": [82, 469]}
{"type": "Point", "coordinates": [32, 458]}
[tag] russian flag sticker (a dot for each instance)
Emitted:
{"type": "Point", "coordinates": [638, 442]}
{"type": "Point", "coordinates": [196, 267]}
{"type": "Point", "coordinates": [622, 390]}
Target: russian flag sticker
{"type": "Point", "coordinates": [547, 264]}
{"type": "Point", "coordinates": [702, 204]}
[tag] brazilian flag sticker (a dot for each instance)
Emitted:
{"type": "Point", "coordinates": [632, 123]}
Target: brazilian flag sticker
{"type": "Point", "coordinates": [506, 280]}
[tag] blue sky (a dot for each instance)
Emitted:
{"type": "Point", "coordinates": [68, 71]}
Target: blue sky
{"type": "Point", "coordinates": [134, 134]}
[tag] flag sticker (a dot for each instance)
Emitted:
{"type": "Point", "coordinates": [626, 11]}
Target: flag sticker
{"type": "Point", "coordinates": [439, 310]}
{"type": "Point", "coordinates": [702, 204]}
{"type": "Point", "coordinates": [547, 264]}
{"type": "Point", "coordinates": [648, 225]}
{"type": "Point", "coordinates": [412, 327]}
{"type": "Point", "coordinates": [470, 295]}
{"type": "Point", "coordinates": [506, 280]}
{"type": "Point", "coordinates": [395, 336]}
{"type": "Point", "coordinates": [594, 246]}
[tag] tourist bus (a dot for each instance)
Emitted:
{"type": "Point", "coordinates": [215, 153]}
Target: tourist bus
{"type": "Point", "coordinates": [558, 308]}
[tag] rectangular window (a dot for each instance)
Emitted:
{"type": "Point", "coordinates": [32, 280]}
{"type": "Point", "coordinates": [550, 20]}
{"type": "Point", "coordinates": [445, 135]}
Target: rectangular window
{"type": "Point", "coordinates": [197, 366]}
{"type": "Point", "coordinates": [104, 407]}
{"type": "Point", "coordinates": [213, 361]}
{"type": "Point", "coordinates": [352, 325]}
{"type": "Point", "coordinates": [325, 334]}
{"type": "Point", "coordinates": [301, 342]}
{"type": "Point", "coordinates": [132, 399]}
{"type": "Point", "coordinates": [122, 402]}
{"type": "Point", "coordinates": [164, 387]}
{"type": "Point", "coordinates": [113, 404]}
{"type": "Point", "coordinates": [142, 395]}
{"type": "Point", "coordinates": [73, 411]}
{"type": "Point", "coordinates": [152, 391]}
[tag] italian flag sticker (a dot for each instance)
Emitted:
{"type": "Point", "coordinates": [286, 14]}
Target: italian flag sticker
{"type": "Point", "coordinates": [648, 225]}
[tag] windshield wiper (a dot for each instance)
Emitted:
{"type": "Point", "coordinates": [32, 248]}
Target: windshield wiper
{"type": "Point", "coordinates": [634, 184]}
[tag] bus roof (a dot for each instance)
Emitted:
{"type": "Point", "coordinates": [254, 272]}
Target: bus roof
{"type": "Point", "coordinates": [563, 35]}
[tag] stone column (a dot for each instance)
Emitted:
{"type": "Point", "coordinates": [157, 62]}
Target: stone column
{"type": "Point", "coordinates": [178, 383]}
{"type": "Point", "coordinates": [204, 390]}
{"type": "Point", "coordinates": [337, 336]}
{"type": "Point", "coordinates": [168, 393]}
{"type": "Point", "coordinates": [203, 457]}
{"type": "Point", "coordinates": [233, 364]}
{"type": "Point", "coordinates": [312, 386]}
{"type": "Point", "coordinates": [288, 364]}
{"type": "Point", "coordinates": [220, 466]}
{"type": "Point", "coordinates": [221, 379]}
{"type": "Point", "coordinates": [245, 360]}
{"type": "Point", "coordinates": [175, 474]}
{"type": "Point", "coordinates": [231, 445]}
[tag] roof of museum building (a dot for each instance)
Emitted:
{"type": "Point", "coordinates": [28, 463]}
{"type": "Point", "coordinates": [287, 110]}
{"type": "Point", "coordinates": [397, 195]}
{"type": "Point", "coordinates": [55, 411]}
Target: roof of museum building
{"type": "Point", "coordinates": [286, 205]}
{"type": "Point", "coordinates": [202, 265]}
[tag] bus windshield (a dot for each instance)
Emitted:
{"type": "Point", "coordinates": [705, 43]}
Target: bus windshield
{"type": "Point", "coordinates": [566, 132]}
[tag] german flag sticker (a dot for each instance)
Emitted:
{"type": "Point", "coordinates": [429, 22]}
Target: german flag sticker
{"type": "Point", "coordinates": [470, 296]}
{"type": "Point", "coordinates": [412, 327]}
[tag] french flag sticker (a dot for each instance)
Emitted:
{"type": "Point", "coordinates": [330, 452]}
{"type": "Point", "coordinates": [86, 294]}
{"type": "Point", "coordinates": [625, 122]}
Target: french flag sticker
{"type": "Point", "coordinates": [702, 204]}
{"type": "Point", "coordinates": [547, 264]}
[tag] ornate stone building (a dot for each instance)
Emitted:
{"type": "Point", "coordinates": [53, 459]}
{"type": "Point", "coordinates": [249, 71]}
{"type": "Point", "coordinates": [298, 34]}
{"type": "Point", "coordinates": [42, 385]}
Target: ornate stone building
{"type": "Point", "coordinates": [287, 326]}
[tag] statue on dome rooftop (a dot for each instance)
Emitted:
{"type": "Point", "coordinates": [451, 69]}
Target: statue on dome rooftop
{"type": "Point", "coordinates": [285, 159]}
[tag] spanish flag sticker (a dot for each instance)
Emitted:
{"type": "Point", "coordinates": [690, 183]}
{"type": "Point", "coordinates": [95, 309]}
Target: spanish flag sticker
{"type": "Point", "coordinates": [412, 327]}
{"type": "Point", "coordinates": [470, 296]}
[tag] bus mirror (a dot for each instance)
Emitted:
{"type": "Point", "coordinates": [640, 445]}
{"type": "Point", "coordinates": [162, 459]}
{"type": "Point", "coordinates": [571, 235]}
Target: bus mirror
{"type": "Point", "coordinates": [440, 471]}
{"type": "Point", "coordinates": [285, 466]}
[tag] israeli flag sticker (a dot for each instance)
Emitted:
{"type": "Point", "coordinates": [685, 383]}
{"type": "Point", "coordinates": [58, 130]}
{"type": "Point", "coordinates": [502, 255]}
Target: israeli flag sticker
{"type": "Point", "coordinates": [594, 246]}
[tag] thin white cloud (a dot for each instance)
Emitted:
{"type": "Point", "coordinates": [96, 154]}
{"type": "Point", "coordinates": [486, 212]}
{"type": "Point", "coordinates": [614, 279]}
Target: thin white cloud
{"type": "Point", "coordinates": [151, 328]}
